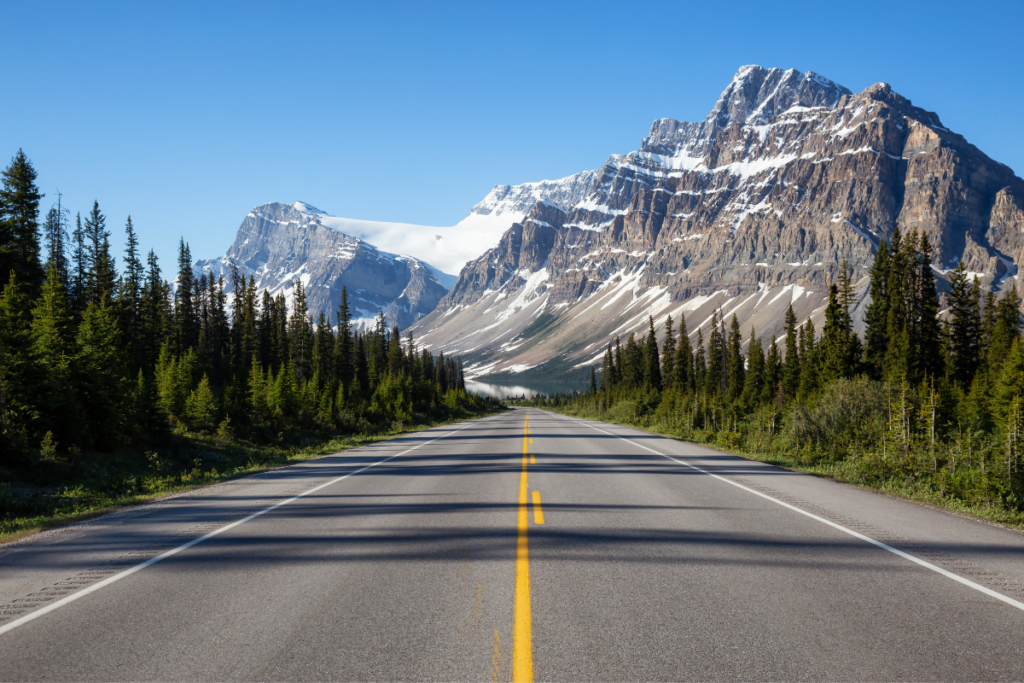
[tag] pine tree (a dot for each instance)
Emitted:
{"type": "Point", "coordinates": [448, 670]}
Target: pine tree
{"type": "Point", "coordinates": [79, 266]}
{"type": "Point", "coordinates": [928, 347]}
{"type": "Point", "coordinates": [755, 375]}
{"type": "Point", "coordinates": [100, 274]}
{"type": "Point", "coordinates": [791, 366]}
{"type": "Point", "coordinates": [836, 352]}
{"type": "Point", "coordinates": [668, 354]}
{"type": "Point", "coordinates": [652, 362]}
{"type": "Point", "coordinates": [300, 335]}
{"type": "Point", "coordinates": [593, 382]}
{"type": "Point", "coordinates": [344, 349]}
{"type": "Point", "coordinates": [964, 326]}
{"type": "Point", "coordinates": [186, 323]}
{"type": "Point", "coordinates": [716, 372]}
{"type": "Point", "coordinates": [53, 346]}
{"type": "Point", "coordinates": [772, 372]}
{"type": "Point", "coordinates": [55, 231]}
{"type": "Point", "coordinates": [19, 224]}
{"type": "Point", "coordinates": [735, 361]}
{"type": "Point", "coordinates": [683, 365]}
{"type": "Point", "coordinates": [607, 370]}
{"type": "Point", "coordinates": [700, 368]}
{"type": "Point", "coordinates": [100, 366]}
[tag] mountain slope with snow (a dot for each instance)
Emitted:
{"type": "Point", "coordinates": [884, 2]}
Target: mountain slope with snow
{"type": "Point", "coordinates": [748, 211]}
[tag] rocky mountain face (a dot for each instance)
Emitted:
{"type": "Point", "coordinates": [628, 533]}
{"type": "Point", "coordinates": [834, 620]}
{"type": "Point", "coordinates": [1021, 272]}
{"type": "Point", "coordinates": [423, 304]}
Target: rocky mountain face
{"type": "Point", "coordinates": [751, 210]}
{"type": "Point", "coordinates": [279, 243]}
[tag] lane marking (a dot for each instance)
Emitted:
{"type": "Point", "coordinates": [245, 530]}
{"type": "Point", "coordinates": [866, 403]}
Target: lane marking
{"type": "Point", "coordinates": [522, 638]}
{"type": "Point", "coordinates": [538, 513]}
{"type": "Point", "coordinates": [533, 460]}
{"type": "Point", "coordinates": [907, 556]}
{"type": "Point", "coordinates": [153, 560]}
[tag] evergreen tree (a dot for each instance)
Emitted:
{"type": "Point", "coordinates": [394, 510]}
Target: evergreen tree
{"type": "Point", "coordinates": [593, 382]}
{"type": "Point", "coordinates": [608, 370]}
{"type": "Point", "coordinates": [100, 274]}
{"type": "Point", "coordinates": [100, 364]}
{"type": "Point", "coordinates": [735, 361]}
{"type": "Point", "coordinates": [79, 266]}
{"type": "Point", "coordinates": [791, 366]}
{"type": "Point", "coordinates": [928, 347]}
{"type": "Point", "coordinates": [344, 348]}
{"type": "Point", "coordinates": [754, 381]}
{"type": "Point", "coordinates": [19, 224]}
{"type": "Point", "coordinates": [836, 351]}
{"type": "Point", "coordinates": [715, 382]}
{"type": "Point", "coordinates": [964, 326]}
{"type": "Point", "coordinates": [300, 335]}
{"type": "Point", "coordinates": [683, 365]}
{"type": "Point", "coordinates": [186, 322]}
{"type": "Point", "coordinates": [652, 362]}
{"type": "Point", "coordinates": [668, 354]}
{"type": "Point", "coordinates": [55, 231]}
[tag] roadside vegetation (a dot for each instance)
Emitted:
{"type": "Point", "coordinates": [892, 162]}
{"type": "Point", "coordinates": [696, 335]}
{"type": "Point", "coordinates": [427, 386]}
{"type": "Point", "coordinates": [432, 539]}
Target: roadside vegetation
{"type": "Point", "coordinates": [116, 387]}
{"type": "Point", "coordinates": [923, 406]}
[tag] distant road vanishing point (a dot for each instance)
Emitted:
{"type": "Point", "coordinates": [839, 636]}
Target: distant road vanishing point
{"type": "Point", "coordinates": [524, 546]}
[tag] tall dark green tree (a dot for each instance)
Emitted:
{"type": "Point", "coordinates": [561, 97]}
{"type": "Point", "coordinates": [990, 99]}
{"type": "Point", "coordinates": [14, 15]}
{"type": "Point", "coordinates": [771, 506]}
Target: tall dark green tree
{"type": "Point", "coordinates": [19, 224]}
{"type": "Point", "coordinates": [791, 365]}
{"type": "Point", "coordinates": [100, 273]}
{"type": "Point", "coordinates": [652, 359]}
{"type": "Point", "coordinates": [964, 326]}
{"type": "Point", "coordinates": [668, 354]}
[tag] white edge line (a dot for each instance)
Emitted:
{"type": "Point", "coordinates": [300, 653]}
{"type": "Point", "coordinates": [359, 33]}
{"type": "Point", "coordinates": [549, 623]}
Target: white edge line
{"type": "Point", "coordinates": [927, 565]}
{"type": "Point", "coordinates": [174, 551]}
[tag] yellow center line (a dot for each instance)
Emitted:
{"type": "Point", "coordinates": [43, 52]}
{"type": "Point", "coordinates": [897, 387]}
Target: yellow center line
{"type": "Point", "coordinates": [538, 513]}
{"type": "Point", "coordinates": [522, 638]}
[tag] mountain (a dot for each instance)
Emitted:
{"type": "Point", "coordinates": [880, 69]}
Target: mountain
{"type": "Point", "coordinates": [751, 210]}
{"type": "Point", "coordinates": [279, 243]}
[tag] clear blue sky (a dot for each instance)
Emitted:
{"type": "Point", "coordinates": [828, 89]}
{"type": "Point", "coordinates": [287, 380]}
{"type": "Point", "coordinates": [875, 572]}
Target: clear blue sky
{"type": "Point", "coordinates": [186, 115]}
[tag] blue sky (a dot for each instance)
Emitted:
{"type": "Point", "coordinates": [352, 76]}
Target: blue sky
{"type": "Point", "coordinates": [186, 115]}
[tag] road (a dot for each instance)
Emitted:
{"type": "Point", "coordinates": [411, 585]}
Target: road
{"type": "Point", "coordinates": [424, 558]}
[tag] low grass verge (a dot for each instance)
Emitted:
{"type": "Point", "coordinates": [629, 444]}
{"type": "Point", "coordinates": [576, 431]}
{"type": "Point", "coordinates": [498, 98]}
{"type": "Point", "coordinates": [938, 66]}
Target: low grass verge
{"type": "Point", "coordinates": [102, 483]}
{"type": "Point", "coordinates": [845, 471]}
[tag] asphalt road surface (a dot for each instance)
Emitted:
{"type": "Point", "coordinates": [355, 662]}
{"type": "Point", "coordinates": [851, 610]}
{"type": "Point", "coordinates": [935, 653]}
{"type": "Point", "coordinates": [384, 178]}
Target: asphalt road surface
{"type": "Point", "coordinates": [515, 547]}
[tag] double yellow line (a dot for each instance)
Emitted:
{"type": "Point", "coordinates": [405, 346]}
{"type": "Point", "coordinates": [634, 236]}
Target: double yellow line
{"type": "Point", "coordinates": [522, 637]}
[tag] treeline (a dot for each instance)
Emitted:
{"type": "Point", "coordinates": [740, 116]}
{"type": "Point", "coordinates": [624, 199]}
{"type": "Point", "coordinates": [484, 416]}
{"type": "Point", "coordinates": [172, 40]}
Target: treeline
{"type": "Point", "coordinates": [923, 401]}
{"type": "Point", "coordinates": [93, 358]}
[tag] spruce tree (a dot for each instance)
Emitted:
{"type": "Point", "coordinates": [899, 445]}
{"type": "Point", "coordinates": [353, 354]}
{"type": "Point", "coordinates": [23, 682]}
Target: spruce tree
{"type": "Point", "coordinates": [186, 322]}
{"type": "Point", "coordinates": [964, 326]}
{"type": "Point", "coordinates": [668, 355]}
{"type": "Point", "coordinates": [928, 348]}
{"type": "Point", "coordinates": [19, 224]}
{"type": "Point", "coordinates": [652, 362]}
{"type": "Point", "coordinates": [836, 358]}
{"type": "Point", "coordinates": [683, 364]}
{"type": "Point", "coordinates": [100, 273]}
{"type": "Point", "coordinates": [734, 361]}
{"type": "Point", "coordinates": [79, 266]}
{"type": "Point", "coordinates": [791, 366]}
{"type": "Point", "coordinates": [343, 351]}
{"type": "Point", "coordinates": [55, 231]}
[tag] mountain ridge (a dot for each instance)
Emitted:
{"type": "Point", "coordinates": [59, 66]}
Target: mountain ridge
{"type": "Point", "coordinates": [751, 210]}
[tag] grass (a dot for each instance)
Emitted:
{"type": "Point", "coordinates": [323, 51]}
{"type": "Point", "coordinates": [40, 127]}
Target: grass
{"type": "Point", "coordinates": [848, 473]}
{"type": "Point", "coordinates": [122, 481]}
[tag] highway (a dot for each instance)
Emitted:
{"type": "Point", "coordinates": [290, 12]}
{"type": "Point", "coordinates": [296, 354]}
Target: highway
{"type": "Point", "coordinates": [523, 546]}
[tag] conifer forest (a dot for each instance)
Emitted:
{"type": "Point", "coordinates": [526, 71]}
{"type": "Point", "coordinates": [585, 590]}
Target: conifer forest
{"type": "Point", "coordinates": [114, 384]}
{"type": "Point", "coordinates": [927, 403]}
